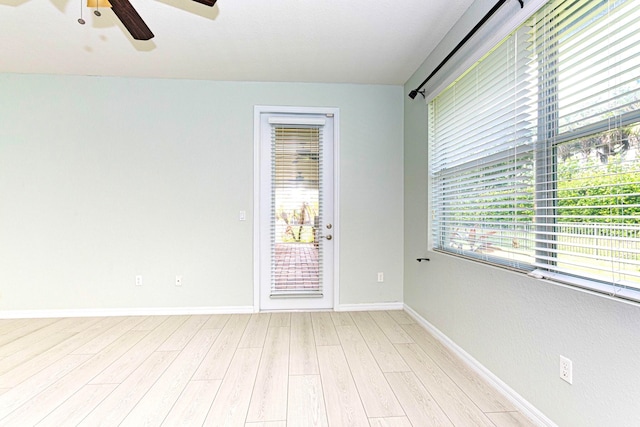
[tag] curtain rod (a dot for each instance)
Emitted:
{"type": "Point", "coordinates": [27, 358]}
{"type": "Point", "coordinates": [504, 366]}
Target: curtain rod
{"type": "Point", "coordinates": [466, 38]}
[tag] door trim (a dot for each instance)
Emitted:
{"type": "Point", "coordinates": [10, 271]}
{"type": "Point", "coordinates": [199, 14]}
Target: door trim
{"type": "Point", "coordinates": [257, 111]}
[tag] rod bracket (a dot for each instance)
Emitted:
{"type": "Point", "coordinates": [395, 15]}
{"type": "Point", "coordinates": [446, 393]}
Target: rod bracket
{"type": "Point", "coordinates": [415, 93]}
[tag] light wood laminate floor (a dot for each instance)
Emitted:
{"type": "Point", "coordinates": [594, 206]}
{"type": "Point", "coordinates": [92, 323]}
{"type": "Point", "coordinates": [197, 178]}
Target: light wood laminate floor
{"type": "Point", "coordinates": [268, 369]}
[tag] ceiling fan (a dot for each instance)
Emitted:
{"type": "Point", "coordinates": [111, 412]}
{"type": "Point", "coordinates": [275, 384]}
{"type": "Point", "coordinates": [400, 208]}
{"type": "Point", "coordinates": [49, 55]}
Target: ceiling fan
{"type": "Point", "coordinates": [130, 18]}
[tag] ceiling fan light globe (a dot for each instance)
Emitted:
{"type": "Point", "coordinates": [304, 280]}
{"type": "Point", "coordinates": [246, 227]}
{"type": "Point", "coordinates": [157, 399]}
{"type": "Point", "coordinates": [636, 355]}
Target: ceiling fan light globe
{"type": "Point", "coordinates": [98, 3]}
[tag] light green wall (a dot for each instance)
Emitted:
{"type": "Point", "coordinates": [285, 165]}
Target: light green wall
{"type": "Point", "coordinates": [514, 325]}
{"type": "Point", "coordinates": [102, 179]}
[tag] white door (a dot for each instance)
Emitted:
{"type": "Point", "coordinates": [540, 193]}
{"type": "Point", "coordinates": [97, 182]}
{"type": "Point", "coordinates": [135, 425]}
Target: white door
{"type": "Point", "coordinates": [295, 219]}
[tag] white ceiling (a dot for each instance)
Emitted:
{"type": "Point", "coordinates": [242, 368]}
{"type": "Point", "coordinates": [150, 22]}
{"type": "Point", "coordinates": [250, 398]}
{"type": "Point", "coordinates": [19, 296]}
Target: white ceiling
{"type": "Point", "coordinates": [337, 41]}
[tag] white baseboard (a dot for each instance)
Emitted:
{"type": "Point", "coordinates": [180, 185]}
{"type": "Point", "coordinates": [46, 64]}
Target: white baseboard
{"type": "Point", "coordinates": [520, 402]}
{"type": "Point", "coordinates": [109, 312]}
{"type": "Point", "coordinates": [370, 307]}
{"type": "Point", "coordinates": [169, 311]}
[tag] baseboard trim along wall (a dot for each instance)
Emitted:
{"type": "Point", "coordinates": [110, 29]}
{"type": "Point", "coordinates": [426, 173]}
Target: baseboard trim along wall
{"type": "Point", "coordinates": [109, 312]}
{"type": "Point", "coordinates": [370, 307]}
{"type": "Point", "coordinates": [521, 403]}
{"type": "Point", "coordinates": [169, 311]}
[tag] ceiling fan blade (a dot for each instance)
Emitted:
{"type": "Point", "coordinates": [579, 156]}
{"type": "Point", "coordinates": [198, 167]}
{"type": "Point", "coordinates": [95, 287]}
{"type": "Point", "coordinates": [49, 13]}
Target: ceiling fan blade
{"type": "Point", "coordinates": [131, 20]}
{"type": "Point", "coordinates": [209, 3]}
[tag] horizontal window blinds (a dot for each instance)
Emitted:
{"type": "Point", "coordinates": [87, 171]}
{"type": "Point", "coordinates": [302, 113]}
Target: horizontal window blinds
{"type": "Point", "coordinates": [296, 151]}
{"type": "Point", "coordinates": [595, 45]}
{"type": "Point", "coordinates": [588, 223]}
{"type": "Point", "coordinates": [534, 152]}
{"type": "Point", "coordinates": [480, 136]}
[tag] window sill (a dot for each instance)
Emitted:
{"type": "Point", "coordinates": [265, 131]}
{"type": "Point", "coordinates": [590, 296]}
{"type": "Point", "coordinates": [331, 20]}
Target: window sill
{"type": "Point", "coordinates": [602, 289]}
{"type": "Point", "coordinates": [592, 287]}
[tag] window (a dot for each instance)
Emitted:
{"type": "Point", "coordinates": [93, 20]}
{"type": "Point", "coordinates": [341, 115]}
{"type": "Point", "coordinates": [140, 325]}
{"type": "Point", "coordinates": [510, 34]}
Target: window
{"type": "Point", "coordinates": [535, 152]}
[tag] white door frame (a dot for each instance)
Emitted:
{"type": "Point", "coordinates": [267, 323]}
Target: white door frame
{"type": "Point", "coordinates": [262, 109]}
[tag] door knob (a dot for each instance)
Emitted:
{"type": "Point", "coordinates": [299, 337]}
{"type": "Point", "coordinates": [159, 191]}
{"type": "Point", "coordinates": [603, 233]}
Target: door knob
{"type": "Point", "coordinates": [328, 237]}
{"type": "Point", "coordinates": [329, 226]}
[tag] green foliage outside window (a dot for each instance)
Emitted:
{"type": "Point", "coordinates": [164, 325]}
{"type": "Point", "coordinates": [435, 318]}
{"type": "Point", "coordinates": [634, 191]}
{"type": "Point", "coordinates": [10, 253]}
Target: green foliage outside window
{"type": "Point", "coordinates": [597, 180]}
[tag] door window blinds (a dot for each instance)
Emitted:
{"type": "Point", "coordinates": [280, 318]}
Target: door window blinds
{"type": "Point", "coordinates": [534, 152]}
{"type": "Point", "coordinates": [296, 211]}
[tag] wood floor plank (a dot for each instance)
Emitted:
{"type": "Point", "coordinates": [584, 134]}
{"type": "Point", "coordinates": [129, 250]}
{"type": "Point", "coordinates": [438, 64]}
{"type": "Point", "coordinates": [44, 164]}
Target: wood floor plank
{"type": "Point", "coordinates": [303, 359]}
{"type": "Point", "coordinates": [22, 328]}
{"type": "Point", "coordinates": [267, 424]}
{"type": "Point", "coordinates": [179, 339]}
{"type": "Point", "coordinates": [391, 329]}
{"type": "Point", "coordinates": [118, 371]}
{"type": "Point", "coordinates": [280, 319]}
{"type": "Point", "coordinates": [78, 406]}
{"type": "Point", "coordinates": [382, 349]}
{"type": "Point", "coordinates": [323, 329]}
{"type": "Point", "coordinates": [27, 352]}
{"type": "Point", "coordinates": [341, 318]}
{"type": "Point", "coordinates": [25, 391]}
{"type": "Point", "coordinates": [416, 400]}
{"type": "Point", "coordinates": [390, 422]}
{"type": "Point", "coordinates": [256, 331]}
{"type": "Point", "coordinates": [112, 410]}
{"type": "Point", "coordinates": [456, 405]}
{"type": "Point", "coordinates": [305, 402]}
{"type": "Point", "coordinates": [42, 337]}
{"type": "Point", "coordinates": [20, 370]}
{"type": "Point", "coordinates": [216, 321]}
{"type": "Point", "coordinates": [269, 397]}
{"type": "Point", "coordinates": [215, 364]}
{"type": "Point", "coordinates": [376, 395]}
{"type": "Point", "coordinates": [401, 317]}
{"type": "Point", "coordinates": [158, 400]}
{"type": "Point", "coordinates": [230, 406]}
{"type": "Point", "coordinates": [105, 339]}
{"type": "Point", "coordinates": [192, 406]}
{"type": "Point", "coordinates": [79, 324]}
{"type": "Point", "coordinates": [8, 325]}
{"type": "Point", "coordinates": [149, 323]}
{"type": "Point", "coordinates": [486, 397]}
{"type": "Point", "coordinates": [509, 419]}
{"type": "Point", "coordinates": [50, 392]}
{"type": "Point", "coordinates": [298, 369]}
{"type": "Point", "coordinates": [342, 401]}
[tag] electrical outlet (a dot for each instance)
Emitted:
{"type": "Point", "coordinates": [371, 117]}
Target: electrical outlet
{"type": "Point", "coordinates": [380, 277]}
{"type": "Point", "coordinates": [178, 280]}
{"type": "Point", "coordinates": [566, 369]}
{"type": "Point", "coordinates": [138, 280]}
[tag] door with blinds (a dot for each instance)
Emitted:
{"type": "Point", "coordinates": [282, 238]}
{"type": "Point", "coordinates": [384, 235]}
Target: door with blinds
{"type": "Point", "coordinates": [296, 211]}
